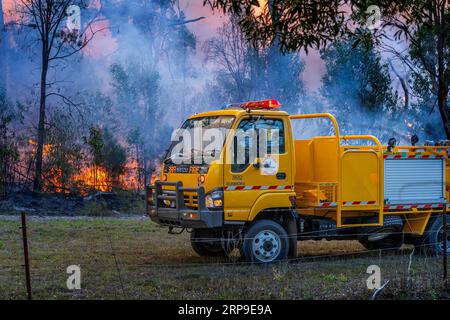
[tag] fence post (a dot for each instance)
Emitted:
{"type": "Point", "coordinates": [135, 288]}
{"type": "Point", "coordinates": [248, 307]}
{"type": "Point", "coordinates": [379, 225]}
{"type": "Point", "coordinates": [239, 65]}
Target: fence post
{"type": "Point", "coordinates": [25, 254]}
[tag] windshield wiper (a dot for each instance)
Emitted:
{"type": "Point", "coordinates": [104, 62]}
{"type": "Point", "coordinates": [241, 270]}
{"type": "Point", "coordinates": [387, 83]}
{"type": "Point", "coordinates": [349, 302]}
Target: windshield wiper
{"type": "Point", "coordinates": [172, 156]}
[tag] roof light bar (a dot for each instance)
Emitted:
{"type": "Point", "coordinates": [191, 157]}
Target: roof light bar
{"type": "Point", "coordinates": [254, 105]}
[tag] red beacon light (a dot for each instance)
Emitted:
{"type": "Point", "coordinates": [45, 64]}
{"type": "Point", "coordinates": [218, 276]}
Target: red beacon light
{"type": "Point", "coordinates": [263, 104]}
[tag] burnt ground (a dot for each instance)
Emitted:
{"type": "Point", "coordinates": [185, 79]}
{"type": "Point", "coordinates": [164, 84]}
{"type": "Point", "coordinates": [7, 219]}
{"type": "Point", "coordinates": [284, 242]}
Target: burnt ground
{"type": "Point", "coordinates": [96, 204]}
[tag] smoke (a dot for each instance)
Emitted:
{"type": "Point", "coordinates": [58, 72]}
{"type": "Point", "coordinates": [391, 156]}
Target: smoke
{"type": "Point", "coordinates": [149, 38]}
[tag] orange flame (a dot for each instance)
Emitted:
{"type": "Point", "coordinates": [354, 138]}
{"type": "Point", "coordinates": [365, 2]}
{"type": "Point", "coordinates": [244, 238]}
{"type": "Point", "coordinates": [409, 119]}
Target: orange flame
{"type": "Point", "coordinates": [94, 178]}
{"type": "Point", "coordinates": [45, 151]}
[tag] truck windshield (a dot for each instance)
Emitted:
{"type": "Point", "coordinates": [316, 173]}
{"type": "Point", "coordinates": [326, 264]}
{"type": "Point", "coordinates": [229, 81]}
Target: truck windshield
{"type": "Point", "coordinates": [199, 140]}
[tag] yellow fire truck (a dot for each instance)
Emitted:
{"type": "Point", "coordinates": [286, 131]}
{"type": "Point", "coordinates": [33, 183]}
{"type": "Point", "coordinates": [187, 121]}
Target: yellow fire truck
{"type": "Point", "coordinates": [326, 187]}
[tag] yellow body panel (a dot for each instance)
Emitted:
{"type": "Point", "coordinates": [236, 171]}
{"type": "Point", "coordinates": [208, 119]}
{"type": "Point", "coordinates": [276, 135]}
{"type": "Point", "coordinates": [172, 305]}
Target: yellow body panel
{"type": "Point", "coordinates": [360, 176]}
{"type": "Point", "coordinates": [325, 166]}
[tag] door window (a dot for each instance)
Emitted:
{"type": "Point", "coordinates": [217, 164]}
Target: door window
{"type": "Point", "coordinates": [256, 138]}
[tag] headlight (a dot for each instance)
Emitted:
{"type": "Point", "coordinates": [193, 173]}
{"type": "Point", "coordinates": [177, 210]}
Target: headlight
{"type": "Point", "coordinates": [214, 199]}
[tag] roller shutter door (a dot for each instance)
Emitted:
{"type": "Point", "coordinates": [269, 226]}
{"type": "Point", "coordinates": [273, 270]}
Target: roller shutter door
{"type": "Point", "coordinates": [414, 181]}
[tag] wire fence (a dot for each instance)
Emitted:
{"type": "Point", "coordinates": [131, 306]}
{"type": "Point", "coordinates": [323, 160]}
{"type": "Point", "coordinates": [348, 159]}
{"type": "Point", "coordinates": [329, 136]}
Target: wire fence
{"type": "Point", "coordinates": [135, 259]}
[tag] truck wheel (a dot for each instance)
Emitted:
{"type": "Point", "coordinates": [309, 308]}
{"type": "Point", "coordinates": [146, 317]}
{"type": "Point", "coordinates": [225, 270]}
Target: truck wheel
{"type": "Point", "coordinates": [206, 244]}
{"type": "Point", "coordinates": [388, 236]}
{"type": "Point", "coordinates": [434, 236]}
{"type": "Point", "coordinates": [264, 242]}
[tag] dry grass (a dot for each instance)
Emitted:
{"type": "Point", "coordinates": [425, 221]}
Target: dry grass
{"type": "Point", "coordinates": [152, 264]}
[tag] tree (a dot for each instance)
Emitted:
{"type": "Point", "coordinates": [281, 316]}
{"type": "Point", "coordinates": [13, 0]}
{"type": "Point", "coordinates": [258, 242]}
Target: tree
{"type": "Point", "coordinates": [247, 73]}
{"type": "Point", "coordinates": [167, 41]}
{"type": "Point", "coordinates": [230, 51]}
{"type": "Point", "coordinates": [114, 156]}
{"type": "Point", "coordinates": [356, 80]}
{"type": "Point", "coordinates": [106, 153]}
{"type": "Point", "coordinates": [137, 91]}
{"type": "Point", "coordinates": [135, 139]}
{"type": "Point", "coordinates": [296, 24]}
{"type": "Point", "coordinates": [63, 153]}
{"type": "Point", "coordinates": [9, 154]}
{"type": "Point", "coordinates": [56, 42]}
{"type": "Point", "coordinates": [425, 26]}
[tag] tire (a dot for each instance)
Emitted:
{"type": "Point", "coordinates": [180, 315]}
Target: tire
{"type": "Point", "coordinates": [205, 244]}
{"type": "Point", "coordinates": [433, 236]}
{"type": "Point", "coordinates": [265, 242]}
{"type": "Point", "coordinates": [388, 236]}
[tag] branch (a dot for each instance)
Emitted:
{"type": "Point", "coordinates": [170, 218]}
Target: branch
{"type": "Point", "coordinates": [403, 83]}
{"type": "Point", "coordinates": [75, 50]}
{"type": "Point", "coordinates": [68, 102]}
{"type": "Point", "coordinates": [187, 21]}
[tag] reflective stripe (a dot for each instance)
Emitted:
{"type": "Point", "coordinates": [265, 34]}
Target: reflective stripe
{"type": "Point", "coordinates": [404, 155]}
{"type": "Point", "coordinates": [328, 204]}
{"type": "Point", "coordinates": [232, 188]}
{"type": "Point", "coordinates": [390, 207]}
{"type": "Point", "coordinates": [358, 203]}
{"type": "Point", "coordinates": [414, 206]}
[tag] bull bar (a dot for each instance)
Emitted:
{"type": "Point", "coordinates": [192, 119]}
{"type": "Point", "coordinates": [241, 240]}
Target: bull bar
{"type": "Point", "coordinates": [178, 214]}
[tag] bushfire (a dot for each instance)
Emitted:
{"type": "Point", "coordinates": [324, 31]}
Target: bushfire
{"type": "Point", "coordinates": [88, 177]}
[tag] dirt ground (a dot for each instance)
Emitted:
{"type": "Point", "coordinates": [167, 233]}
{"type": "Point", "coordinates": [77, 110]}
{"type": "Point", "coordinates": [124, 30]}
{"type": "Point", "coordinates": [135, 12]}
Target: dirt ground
{"type": "Point", "coordinates": [132, 258]}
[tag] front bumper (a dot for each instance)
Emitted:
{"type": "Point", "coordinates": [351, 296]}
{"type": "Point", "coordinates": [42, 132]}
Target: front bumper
{"type": "Point", "coordinates": [177, 214]}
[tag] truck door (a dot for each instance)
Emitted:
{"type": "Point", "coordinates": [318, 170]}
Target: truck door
{"type": "Point", "coordinates": [257, 161]}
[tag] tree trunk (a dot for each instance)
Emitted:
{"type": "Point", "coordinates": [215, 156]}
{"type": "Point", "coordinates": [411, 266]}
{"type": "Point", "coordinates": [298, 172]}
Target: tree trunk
{"type": "Point", "coordinates": [2, 51]}
{"type": "Point", "coordinates": [138, 167]}
{"type": "Point", "coordinates": [442, 81]}
{"type": "Point", "coordinates": [443, 107]}
{"type": "Point", "coordinates": [37, 185]}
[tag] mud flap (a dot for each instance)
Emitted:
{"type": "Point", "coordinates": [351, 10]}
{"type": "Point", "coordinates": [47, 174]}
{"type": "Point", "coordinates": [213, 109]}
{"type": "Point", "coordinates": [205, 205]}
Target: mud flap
{"type": "Point", "coordinates": [291, 228]}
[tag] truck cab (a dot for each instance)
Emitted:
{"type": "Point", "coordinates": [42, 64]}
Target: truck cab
{"type": "Point", "coordinates": [238, 178]}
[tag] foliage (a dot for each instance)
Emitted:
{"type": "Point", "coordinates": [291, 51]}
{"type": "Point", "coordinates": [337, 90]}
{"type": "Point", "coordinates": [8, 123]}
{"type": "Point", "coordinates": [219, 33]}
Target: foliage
{"type": "Point", "coordinates": [9, 153]}
{"type": "Point", "coordinates": [107, 152]}
{"type": "Point", "coordinates": [425, 27]}
{"type": "Point", "coordinates": [114, 155]}
{"type": "Point", "coordinates": [291, 24]}
{"type": "Point", "coordinates": [137, 92]}
{"type": "Point", "coordinates": [62, 153]}
{"type": "Point", "coordinates": [96, 144]}
{"type": "Point", "coordinates": [356, 80]}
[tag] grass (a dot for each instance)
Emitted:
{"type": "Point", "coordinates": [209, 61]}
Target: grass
{"type": "Point", "coordinates": [136, 259]}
